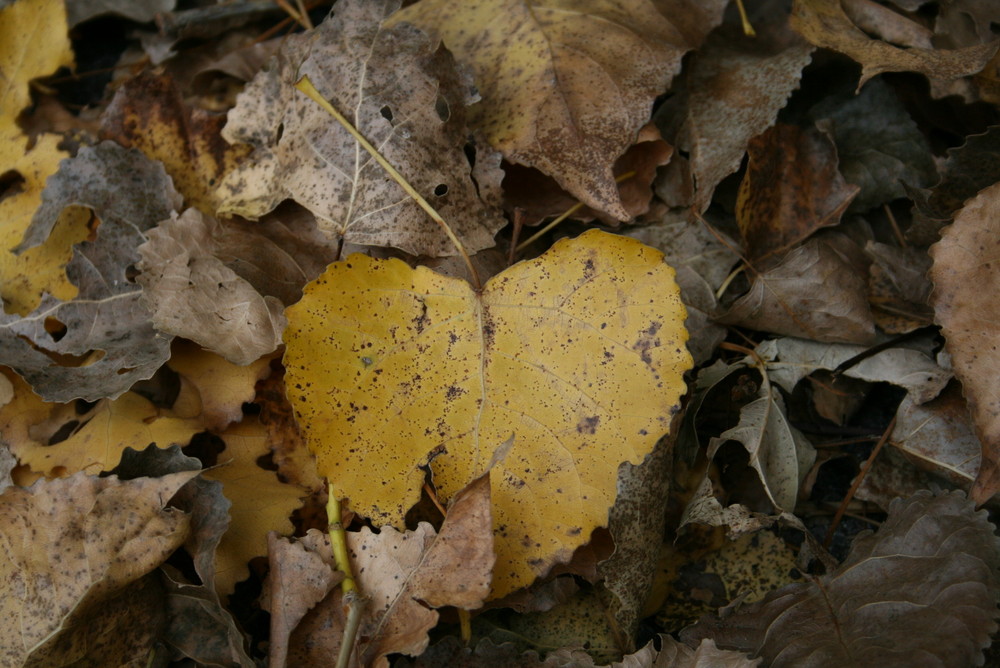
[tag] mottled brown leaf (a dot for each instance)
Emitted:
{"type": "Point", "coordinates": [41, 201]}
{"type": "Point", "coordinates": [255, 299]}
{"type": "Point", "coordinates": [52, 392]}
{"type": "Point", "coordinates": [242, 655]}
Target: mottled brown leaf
{"type": "Point", "coordinates": [814, 292]}
{"type": "Point", "coordinates": [966, 277]}
{"type": "Point", "coordinates": [544, 70]}
{"type": "Point", "coordinates": [919, 592]}
{"type": "Point", "coordinates": [791, 189]}
{"type": "Point", "coordinates": [405, 97]}
{"type": "Point", "coordinates": [71, 543]}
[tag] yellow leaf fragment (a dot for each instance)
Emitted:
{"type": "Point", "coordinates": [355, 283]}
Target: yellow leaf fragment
{"type": "Point", "coordinates": [33, 43]}
{"type": "Point", "coordinates": [578, 355]}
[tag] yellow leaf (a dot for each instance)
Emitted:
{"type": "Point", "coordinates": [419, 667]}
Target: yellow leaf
{"type": "Point", "coordinates": [261, 502]}
{"type": "Point", "coordinates": [578, 355]}
{"type": "Point", "coordinates": [33, 43]}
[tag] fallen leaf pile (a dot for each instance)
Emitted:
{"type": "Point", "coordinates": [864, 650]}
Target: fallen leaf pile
{"type": "Point", "coordinates": [694, 363]}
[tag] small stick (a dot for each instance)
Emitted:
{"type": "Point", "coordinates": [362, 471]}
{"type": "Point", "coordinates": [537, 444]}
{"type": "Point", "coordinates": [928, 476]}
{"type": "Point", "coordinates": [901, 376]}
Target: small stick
{"type": "Point", "coordinates": [306, 86]}
{"type": "Point", "coordinates": [352, 595]}
{"type": "Point", "coordinates": [857, 483]}
{"type": "Point", "coordinates": [747, 28]}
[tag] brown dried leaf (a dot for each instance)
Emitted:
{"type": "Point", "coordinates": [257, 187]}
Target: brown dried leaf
{"type": "Point", "coordinates": [73, 543]}
{"type": "Point", "coordinates": [898, 286]}
{"type": "Point", "coordinates": [406, 98]}
{"type": "Point", "coordinates": [545, 101]}
{"type": "Point", "coordinates": [106, 323]}
{"type": "Point", "coordinates": [192, 294]}
{"type": "Point", "coordinates": [149, 114]}
{"type": "Point", "coordinates": [791, 189]}
{"type": "Point", "coordinates": [826, 24]}
{"type": "Point", "coordinates": [815, 292]}
{"type": "Point", "coordinates": [966, 282]}
{"type": "Point", "coordinates": [920, 591]}
{"type": "Point", "coordinates": [735, 85]}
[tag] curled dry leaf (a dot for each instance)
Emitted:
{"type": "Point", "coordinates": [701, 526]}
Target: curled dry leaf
{"type": "Point", "coordinates": [920, 591]}
{"type": "Point", "coordinates": [826, 24]}
{"type": "Point", "coordinates": [544, 101]}
{"type": "Point", "coordinates": [735, 87]}
{"type": "Point", "coordinates": [73, 543]}
{"type": "Point", "coordinates": [578, 354]}
{"type": "Point", "coordinates": [405, 98]}
{"type": "Point", "coordinates": [192, 294]}
{"type": "Point", "coordinates": [791, 189]}
{"type": "Point", "coordinates": [401, 574]}
{"type": "Point", "coordinates": [814, 292]}
{"type": "Point", "coordinates": [966, 282]}
{"type": "Point", "coordinates": [106, 324]}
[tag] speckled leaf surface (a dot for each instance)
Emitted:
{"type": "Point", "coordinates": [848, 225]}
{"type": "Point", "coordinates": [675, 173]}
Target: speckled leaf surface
{"type": "Point", "coordinates": [544, 70]}
{"type": "Point", "coordinates": [578, 355]}
{"type": "Point", "coordinates": [405, 97]}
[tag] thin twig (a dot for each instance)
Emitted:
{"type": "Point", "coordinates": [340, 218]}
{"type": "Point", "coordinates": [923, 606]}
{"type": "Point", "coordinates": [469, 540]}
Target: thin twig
{"type": "Point", "coordinates": [857, 483]}
{"type": "Point", "coordinates": [342, 560]}
{"type": "Point", "coordinates": [306, 86]}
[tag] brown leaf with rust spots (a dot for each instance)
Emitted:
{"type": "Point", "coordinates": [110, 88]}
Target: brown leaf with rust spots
{"type": "Point", "coordinates": [733, 91]}
{"type": "Point", "coordinates": [72, 543]}
{"type": "Point", "coordinates": [544, 69]}
{"type": "Point", "coordinates": [791, 189]}
{"type": "Point", "coordinates": [538, 196]}
{"type": "Point", "coordinates": [826, 24]}
{"type": "Point", "coordinates": [966, 275]}
{"type": "Point", "coordinates": [148, 113]}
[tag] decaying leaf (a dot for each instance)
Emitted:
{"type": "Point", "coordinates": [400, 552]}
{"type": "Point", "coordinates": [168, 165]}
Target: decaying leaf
{"type": "Point", "coordinates": [405, 97]}
{"type": "Point", "coordinates": [401, 574]}
{"type": "Point", "coordinates": [149, 114]}
{"type": "Point", "coordinates": [966, 283]}
{"type": "Point", "coordinates": [735, 87]}
{"type": "Point", "coordinates": [826, 24]}
{"type": "Point", "coordinates": [192, 294]}
{"type": "Point", "coordinates": [106, 326]}
{"type": "Point", "coordinates": [814, 292]}
{"type": "Point", "coordinates": [140, 11]}
{"type": "Point", "coordinates": [70, 544]}
{"type": "Point", "coordinates": [879, 145]}
{"type": "Point", "coordinates": [35, 43]}
{"type": "Point", "coordinates": [578, 355]}
{"type": "Point", "coordinates": [544, 102]}
{"type": "Point", "coordinates": [790, 360]}
{"type": "Point", "coordinates": [791, 189]}
{"type": "Point", "coordinates": [922, 589]}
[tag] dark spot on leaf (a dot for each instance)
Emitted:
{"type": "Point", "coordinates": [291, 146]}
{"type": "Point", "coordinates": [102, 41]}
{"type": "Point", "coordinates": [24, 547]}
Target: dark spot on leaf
{"type": "Point", "coordinates": [386, 113]}
{"type": "Point", "coordinates": [588, 425]}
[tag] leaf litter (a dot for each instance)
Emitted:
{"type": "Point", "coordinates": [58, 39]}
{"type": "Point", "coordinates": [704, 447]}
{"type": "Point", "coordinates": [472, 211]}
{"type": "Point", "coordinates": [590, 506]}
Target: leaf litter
{"type": "Point", "coordinates": [176, 339]}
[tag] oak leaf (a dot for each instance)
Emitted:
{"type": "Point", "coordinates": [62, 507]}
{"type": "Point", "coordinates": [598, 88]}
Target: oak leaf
{"type": "Point", "coordinates": [966, 282]}
{"type": "Point", "coordinates": [922, 590]}
{"type": "Point", "coordinates": [545, 101]}
{"type": "Point", "coordinates": [405, 98]}
{"type": "Point", "coordinates": [578, 355]}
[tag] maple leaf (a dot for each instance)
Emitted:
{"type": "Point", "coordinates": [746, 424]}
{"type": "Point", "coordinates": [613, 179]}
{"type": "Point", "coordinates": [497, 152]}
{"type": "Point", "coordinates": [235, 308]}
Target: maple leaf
{"type": "Point", "coordinates": [578, 354]}
{"type": "Point", "coordinates": [543, 70]}
{"type": "Point", "coordinates": [406, 98]}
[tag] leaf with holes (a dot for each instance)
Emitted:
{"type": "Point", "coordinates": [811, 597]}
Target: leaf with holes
{"type": "Point", "coordinates": [561, 368]}
{"type": "Point", "coordinates": [406, 98]}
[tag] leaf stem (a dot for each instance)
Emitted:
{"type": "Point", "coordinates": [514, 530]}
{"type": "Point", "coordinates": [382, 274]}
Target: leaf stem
{"type": "Point", "coordinates": [352, 595]}
{"type": "Point", "coordinates": [307, 87]}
